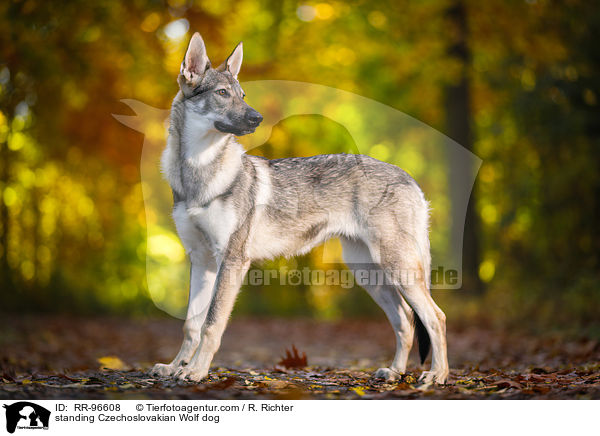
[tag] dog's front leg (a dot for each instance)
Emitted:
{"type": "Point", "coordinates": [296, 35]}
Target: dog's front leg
{"type": "Point", "coordinates": [202, 280]}
{"type": "Point", "coordinates": [229, 279]}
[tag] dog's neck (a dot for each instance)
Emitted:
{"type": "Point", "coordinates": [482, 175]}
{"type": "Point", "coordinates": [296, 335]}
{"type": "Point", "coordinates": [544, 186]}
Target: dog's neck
{"type": "Point", "coordinates": [200, 142]}
{"type": "Point", "coordinates": [208, 160]}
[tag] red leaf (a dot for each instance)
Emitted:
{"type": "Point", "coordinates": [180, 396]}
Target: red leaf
{"type": "Point", "coordinates": [223, 384]}
{"type": "Point", "coordinates": [507, 383]}
{"type": "Point", "coordinates": [220, 385]}
{"type": "Point", "coordinates": [534, 378]}
{"type": "Point", "coordinates": [293, 359]}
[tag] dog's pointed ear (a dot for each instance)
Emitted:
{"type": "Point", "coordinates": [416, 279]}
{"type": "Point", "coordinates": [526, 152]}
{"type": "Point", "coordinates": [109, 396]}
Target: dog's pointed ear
{"type": "Point", "coordinates": [196, 61]}
{"type": "Point", "coordinates": [234, 62]}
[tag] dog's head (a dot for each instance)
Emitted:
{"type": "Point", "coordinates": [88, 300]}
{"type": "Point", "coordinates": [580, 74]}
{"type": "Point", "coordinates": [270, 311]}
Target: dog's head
{"type": "Point", "coordinates": [215, 93]}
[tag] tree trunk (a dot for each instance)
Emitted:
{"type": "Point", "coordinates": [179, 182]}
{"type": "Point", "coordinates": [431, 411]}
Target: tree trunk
{"type": "Point", "coordinates": [458, 127]}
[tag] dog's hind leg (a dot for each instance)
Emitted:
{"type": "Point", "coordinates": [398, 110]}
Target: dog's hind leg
{"type": "Point", "coordinates": [434, 321]}
{"type": "Point", "coordinates": [202, 280]}
{"type": "Point", "coordinates": [357, 257]}
{"type": "Point", "coordinates": [406, 264]}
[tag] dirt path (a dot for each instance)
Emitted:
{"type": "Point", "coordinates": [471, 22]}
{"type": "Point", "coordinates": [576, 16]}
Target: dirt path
{"type": "Point", "coordinates": [58, 357]}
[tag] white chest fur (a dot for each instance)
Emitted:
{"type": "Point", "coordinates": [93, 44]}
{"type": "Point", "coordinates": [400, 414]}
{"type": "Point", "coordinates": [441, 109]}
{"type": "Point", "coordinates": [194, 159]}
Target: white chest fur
{"type": "Point", "coordinates": [212, 225]}
{"type": "Point", "coordinates": [218, 158]}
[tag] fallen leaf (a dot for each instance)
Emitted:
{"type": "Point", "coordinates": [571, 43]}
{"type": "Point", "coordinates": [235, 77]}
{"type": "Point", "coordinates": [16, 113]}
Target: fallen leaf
{"type": "Point", "coordinates": [66, 377]}
{"type": "Point", "coordinates": [220, 385]}
{"type": "Point", "coordinates": [534, 378]}
{"type": "Point", "coordinates": [359, 390]}
{"type": "Point", "coordinates": [540, 389]}
{"type": "Point", "coordinates": [507, 383]}
{"type": "Point", "coordinates": [111, 362]}
{"type": "Point", "coordinates": [410, 379]}
{"type": "Point", "coordinates": [275, 384]}
{"type": "Point", "coordinates": [8, 377]}
{"type": "Point", "coordinates": [293, 359]}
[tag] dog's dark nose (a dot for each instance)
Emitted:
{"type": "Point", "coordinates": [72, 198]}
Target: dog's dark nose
{"type": "Point", "coordinates": [254, 117]}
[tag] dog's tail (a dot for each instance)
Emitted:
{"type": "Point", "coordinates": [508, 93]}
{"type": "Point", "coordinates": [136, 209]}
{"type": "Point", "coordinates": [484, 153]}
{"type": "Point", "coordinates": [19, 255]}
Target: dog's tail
{"type": "Point", "coordinates": [422, 338]}
{"type": "Point", "coordinates": [423, 243]}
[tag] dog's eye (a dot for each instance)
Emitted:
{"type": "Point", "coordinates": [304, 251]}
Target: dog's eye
{"type": "Point", "coordinates": [222, 92]}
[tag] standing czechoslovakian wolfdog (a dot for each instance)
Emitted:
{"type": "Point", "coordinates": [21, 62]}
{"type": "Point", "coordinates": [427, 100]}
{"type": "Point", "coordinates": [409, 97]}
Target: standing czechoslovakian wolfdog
{"type": "Point", "coordinates": [231, 208]}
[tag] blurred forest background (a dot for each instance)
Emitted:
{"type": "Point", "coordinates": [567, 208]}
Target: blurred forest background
{"type": "Point", "coordinates": [515, 82]}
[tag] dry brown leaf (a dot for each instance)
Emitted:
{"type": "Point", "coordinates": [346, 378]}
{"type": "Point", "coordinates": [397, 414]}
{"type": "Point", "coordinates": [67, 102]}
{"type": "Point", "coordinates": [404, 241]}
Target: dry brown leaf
{"type": "Point", "coordinates": [293, 359]}
{"type": "Point", "coordinates": [275, 384]}
{"type": "Point", "coordinates": [507, 383]}
{"type": "Point", "coordinates": [216, 386]}
{"type": "Point", "coordinates": [8, 377]}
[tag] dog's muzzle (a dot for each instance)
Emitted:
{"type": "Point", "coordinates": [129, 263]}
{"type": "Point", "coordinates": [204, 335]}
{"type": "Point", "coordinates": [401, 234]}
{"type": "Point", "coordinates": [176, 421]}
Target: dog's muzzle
{"type": "Point", "coordinates": [253, 118]}
{"type": "Point", "coordinates": [244, 126]}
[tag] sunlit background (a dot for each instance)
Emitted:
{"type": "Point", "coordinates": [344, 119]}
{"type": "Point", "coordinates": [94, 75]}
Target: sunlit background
{"type": "Point", "coordinates": [514, 82]}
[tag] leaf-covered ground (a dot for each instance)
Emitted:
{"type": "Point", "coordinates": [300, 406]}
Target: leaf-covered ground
{"type": "Point", "coordinates": [62, 357]}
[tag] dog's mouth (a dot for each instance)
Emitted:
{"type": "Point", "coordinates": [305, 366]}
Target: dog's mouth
{"type": "Point", "coordinates": [249, 127]}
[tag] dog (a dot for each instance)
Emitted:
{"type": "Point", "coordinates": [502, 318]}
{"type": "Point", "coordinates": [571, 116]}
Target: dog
{"type": "Point", "coordinates": [231, 208]}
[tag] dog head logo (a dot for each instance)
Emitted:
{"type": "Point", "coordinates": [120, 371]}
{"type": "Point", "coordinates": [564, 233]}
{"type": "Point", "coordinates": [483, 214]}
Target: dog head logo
{"type": "Point", "coordinates": [26, 415]}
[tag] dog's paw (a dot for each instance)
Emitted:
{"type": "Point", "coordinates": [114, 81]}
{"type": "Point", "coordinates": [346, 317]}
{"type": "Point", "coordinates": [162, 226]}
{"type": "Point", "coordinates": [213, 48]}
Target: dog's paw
{"type": "Point", "coordinates": [387, 374]}
{"type": "Point", "coordinates": [197, 376]}
{"type": "Point", "coordinates": [191, 374]}
{"type": "Point", "coordinates": [430, 377]}
{"type": "Point", "coordinates": [163, 370]}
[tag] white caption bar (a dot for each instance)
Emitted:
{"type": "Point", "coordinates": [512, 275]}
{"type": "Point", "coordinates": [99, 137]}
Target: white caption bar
{"type": "Point", "coordinates": [162, 417]}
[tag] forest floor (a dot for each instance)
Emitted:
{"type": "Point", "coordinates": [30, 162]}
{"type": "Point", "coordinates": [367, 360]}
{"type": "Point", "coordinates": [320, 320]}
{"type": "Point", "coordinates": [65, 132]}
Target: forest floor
{"type": "Point", "coordinates": [59, 357]}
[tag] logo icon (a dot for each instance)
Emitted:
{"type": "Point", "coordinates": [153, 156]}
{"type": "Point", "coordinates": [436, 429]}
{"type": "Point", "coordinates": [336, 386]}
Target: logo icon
{"type": "Point", "coordinates": [26, 415]}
